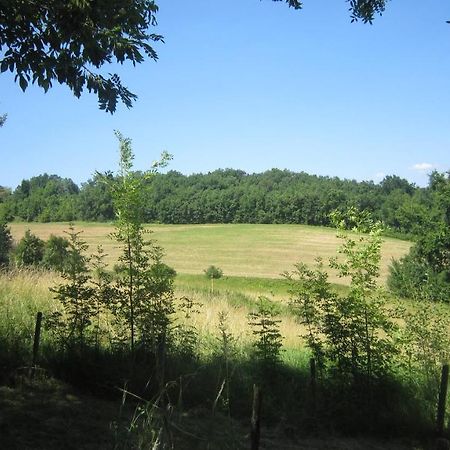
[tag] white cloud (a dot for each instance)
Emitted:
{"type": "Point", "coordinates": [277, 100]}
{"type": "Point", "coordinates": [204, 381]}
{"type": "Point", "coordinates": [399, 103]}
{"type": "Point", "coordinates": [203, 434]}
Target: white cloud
{"type": "Point", "coordinates": [422, 166]}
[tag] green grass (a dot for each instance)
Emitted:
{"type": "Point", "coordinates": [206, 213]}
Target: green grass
{"type": "Point", "coordinates": [240, 250]}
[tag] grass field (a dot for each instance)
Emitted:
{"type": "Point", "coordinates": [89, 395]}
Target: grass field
{"type": "Point", "coordinates": [240, 250]}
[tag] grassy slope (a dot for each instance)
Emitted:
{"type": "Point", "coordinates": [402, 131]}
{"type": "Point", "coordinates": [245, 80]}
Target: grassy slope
{"type": "Point", "coordinates": [259, 251]}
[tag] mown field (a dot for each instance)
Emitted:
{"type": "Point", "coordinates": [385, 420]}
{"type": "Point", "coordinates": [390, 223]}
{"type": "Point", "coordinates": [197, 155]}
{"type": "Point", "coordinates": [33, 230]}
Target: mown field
{"type": "Point", "coordinates": [240, 250]}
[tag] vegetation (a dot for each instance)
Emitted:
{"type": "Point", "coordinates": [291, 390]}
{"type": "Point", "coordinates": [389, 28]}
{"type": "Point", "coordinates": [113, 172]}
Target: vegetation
{"type": "Point", "coordinates": [222, 348]}
{"type": "Point", "coordinates": [68, 41]}
{"type": "Point", "coordinates": [230, 196]}
{"type": "Point", "coordinates": [251, 255]}
{"type": "Point", "coordinates": [355, 359]}
{"type": "Point", "coordinates": [29, 250]}
{"type": "Point", "coordinates": [143, 292]}
{"type": "Point", "coordinates": [213, 273]}
{"type": "Point", "coordinates": [425, 272]}
{"type": "Point", "coordinates": [5, 244]}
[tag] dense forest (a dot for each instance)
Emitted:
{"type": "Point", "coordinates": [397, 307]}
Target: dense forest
{"type": "Point", "coordinates": [230, 196]}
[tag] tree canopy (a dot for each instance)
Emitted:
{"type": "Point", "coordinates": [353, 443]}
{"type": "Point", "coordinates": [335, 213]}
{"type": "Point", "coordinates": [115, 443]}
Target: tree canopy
{"type": "Point", "coordinates": [69, 41]}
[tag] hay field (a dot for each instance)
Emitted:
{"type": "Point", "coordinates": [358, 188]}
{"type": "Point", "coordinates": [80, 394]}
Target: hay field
{"type": "Point", "coordinates": [246, 250]}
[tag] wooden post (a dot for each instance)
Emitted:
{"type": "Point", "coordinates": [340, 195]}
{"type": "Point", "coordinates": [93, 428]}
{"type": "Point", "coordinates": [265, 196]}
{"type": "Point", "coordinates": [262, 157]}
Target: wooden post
{"type": "Point", "coordinates": [37, 337]}
{"type": "Point", "coordinates": [256, 418]}
{"type": "Point", "coordinates": [312, 370]}
{"type": "Point", "coordinates": [161, 361]}
{"type": "Point", "coordinates": [442, 401]}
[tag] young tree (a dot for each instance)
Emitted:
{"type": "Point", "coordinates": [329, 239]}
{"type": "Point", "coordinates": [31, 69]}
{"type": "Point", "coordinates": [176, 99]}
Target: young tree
{"type": "Point", "coordinates": [145, 286]}
{"type": "Point", "coordinates": [266, 328]}
{"type": "Point", "coordinates": [213, 273]}
{"type": "Point", "coordinates": [75, 294]}
{"type": "Point", "coordinates": [354, 332]}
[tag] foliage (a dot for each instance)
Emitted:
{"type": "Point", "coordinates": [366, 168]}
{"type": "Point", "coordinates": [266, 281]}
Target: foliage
{"type": "Point", "coordinates": [184, 333]}
{"type": "Point", "coordinates": [68, 41]}
{"type": "Point", "coordinates": [5, 244]}
{"type": "Point", "coordinates": [94, 202]}
{"type": "Point", "coordinates": [55, 253]}
{"type": "Point", "coordinates": [350, 333]}
{"type": "Point", "coordinates": [412, 278]}
{"type": "Point", "coordinates": [266, 329]}
{"type": "Point", "coordinates": [3, 119]}
{"type": "Point", "coordinates": [45, 198]}
{"type": "Point", "coordinates": [144, 291]}
{"type": "Point", "coordinates": [425, 271]}
{"type": "Point", "coordinates": [213, 273]}
{"type": "Point", "coordinates": [75, 295]}
{"type": "Point", "coordinates": [102, 293]}
{"type": "Point", "coordinates": [309, 289]}
{"type": "Point", "coordinates": [231, 196]}
{"type": "Point", "coordinates": [29, 250]}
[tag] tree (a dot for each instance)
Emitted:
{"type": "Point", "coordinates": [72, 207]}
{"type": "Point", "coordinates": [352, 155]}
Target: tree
{"type": "Point", "coordinates": [144, 291]}
{"type": "Point", "coordinates": [70, 40]}
{"type": "Point", "coordinates": [75, 294]}
{"type": "Point", "coordinates": [5, 244]}
{"type": "Point", "coordinates": [351, 334]}
{"type": "Point", "coordinates": [213, 273]}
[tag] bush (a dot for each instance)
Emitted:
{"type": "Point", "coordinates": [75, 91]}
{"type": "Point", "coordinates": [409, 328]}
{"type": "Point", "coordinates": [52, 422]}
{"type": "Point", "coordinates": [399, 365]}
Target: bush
{"type": "Point", "coordinates": [55, 253]}
{"type": "Point", "coordinates": [30, 250]}
{"type": "Point", "coordinates": [411, 277]}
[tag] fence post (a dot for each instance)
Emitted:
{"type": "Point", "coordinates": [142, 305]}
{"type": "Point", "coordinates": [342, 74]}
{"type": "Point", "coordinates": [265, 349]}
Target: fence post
{"type": "Point", "coordinates": [37, 337]}
{"type": "Point", "coordinates": [313, 384]}
{"type": "Point", "coordinates": [256, 417]}
{"type": "Point", "coordinates": [442, 401]}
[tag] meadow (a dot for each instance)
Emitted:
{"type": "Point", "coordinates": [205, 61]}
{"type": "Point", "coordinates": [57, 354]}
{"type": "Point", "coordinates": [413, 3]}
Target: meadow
{"type": "Point", "coordinates": [240, 250]}
{"type": "Point", "coordinates": [252, 258]}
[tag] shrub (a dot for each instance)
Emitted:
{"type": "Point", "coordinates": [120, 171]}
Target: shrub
{"type": "Point", "coordinates": [55, 253]}
{"type": "Point", "coordinates": [410, 277]}
{"type": "Point", "coordinates": [29, 250]}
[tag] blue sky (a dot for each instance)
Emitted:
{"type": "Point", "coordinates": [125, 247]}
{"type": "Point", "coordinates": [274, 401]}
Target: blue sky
{"type": "Point", "coordinates": [252, 85]}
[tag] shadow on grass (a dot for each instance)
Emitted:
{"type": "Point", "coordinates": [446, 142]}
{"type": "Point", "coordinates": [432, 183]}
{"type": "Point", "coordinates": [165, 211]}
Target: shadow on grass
{"type": "Point", "coordinates": [209, 402]}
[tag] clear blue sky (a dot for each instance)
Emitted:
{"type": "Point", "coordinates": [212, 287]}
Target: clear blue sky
{"type": "Point", "coordinates": [252, 85]}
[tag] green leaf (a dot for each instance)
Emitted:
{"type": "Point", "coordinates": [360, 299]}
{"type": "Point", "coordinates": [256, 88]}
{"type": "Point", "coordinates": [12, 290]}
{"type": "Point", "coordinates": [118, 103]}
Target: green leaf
{"type": "Point", "coordinates": [23, 83]}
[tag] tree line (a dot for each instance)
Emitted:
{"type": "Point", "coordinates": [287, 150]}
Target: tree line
{"type": "Point", "coordinates": [229, 196]}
